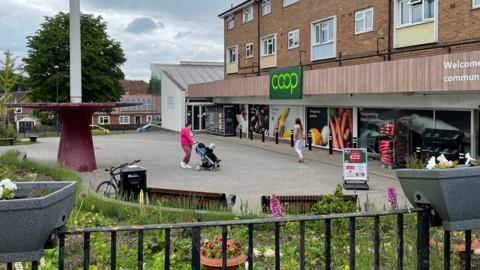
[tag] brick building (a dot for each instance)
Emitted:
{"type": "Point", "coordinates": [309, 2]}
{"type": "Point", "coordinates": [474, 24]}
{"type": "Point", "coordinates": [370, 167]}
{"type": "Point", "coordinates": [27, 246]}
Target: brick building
{"type": "Point", "coordinates": [135, 115]}
{"type": "Point", "coordinates": [368, 61]}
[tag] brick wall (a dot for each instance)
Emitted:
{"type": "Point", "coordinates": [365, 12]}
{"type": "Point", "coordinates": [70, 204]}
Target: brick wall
{"type": "Point", "coordinates": [457, 23]}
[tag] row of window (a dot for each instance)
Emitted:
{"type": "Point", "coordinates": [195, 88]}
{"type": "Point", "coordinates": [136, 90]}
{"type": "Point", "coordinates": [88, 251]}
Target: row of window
{"type": "Point", "coordinates": [247, 13]}
{"type": "Point", "coordinates": [124, 119]}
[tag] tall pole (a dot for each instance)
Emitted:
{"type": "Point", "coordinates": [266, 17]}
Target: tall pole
{"type": "Point", "coordinates": [57, 98]}
{"type": "Point", "coordinates": [75, 53]}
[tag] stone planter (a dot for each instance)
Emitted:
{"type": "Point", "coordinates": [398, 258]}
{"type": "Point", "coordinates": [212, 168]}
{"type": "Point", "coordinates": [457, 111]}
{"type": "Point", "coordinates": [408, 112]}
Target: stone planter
{"type": "Point", "coordinates": [452, 193]}
{"type": "Point", "coordinates": [33, 138]}
{"type": "Point", "coordinates": [216, 264]}
{"type": "Point", "coordinates": [26, 224]}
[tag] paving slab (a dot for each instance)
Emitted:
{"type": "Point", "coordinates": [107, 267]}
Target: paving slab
{"type": "Point", "coordinates": [250, 169]}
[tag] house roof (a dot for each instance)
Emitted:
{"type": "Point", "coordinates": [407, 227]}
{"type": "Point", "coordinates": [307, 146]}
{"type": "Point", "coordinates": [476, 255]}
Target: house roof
{"type": "Point", "coordinates": [187, 73]}
{"type": "Point", "coordinates": [18, 96]}
{"type": "Point", "coordinates": [134, 87]}
{"type": "Point", "coordinates": [235, 9]}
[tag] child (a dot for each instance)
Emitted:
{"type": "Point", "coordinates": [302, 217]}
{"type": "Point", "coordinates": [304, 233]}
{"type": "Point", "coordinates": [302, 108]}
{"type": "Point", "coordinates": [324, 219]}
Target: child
{"type": "Point", "coordinates": [210, 154]}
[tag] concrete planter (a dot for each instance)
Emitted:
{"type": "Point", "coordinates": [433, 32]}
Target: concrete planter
{"type": "Point", "coordinates": [26, 224]}
{"type": "Point", "coordinates": [452, 193]}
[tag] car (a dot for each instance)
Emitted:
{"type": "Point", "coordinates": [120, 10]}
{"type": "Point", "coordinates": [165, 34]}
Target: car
{"type": "Point", "coordinates": [147, 127]}
{"type": "Point", "coordinates": [98, 128]}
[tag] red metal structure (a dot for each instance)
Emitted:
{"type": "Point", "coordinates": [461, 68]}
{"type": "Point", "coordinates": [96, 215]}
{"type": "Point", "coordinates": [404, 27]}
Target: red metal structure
{"type": "Point", "coordinates": [76, 145]}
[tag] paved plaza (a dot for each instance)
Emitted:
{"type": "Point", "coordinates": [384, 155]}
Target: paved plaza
{"type": "Point", "coordinates": [249, 170]}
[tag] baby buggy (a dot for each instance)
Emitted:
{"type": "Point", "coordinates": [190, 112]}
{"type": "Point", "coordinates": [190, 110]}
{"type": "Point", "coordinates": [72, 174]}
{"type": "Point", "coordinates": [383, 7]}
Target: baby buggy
{"type": "Point", "coordinates": [207, 163]}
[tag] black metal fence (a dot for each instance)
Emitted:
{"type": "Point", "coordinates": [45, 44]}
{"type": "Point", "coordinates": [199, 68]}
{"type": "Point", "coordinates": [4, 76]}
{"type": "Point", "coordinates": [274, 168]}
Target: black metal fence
{"type": "Point", "coordinates": [423, 224]}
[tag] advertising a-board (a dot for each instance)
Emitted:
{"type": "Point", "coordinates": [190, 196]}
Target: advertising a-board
{"type": "Point", "coordinates": [259, 118]}
{"type": "Point", "coordinates": [284, 119]}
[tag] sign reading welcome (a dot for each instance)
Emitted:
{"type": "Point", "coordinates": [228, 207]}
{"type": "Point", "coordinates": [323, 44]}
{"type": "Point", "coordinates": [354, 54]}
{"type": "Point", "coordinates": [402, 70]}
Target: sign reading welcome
{"type": "Point", "coordinates": [286, 83]}
{"type": "Point", "coordinates": [461, 65]}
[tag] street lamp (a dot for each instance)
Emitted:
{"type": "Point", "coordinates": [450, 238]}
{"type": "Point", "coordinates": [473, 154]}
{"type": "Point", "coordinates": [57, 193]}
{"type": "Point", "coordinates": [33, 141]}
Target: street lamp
{"type": "Point", "coordinates": [56, 68]}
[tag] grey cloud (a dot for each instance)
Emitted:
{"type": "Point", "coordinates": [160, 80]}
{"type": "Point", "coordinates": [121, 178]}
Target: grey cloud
{"type": "Point", "coordinates": [143, 25]}
{"type": "Point", "coordinates": [182, 34]}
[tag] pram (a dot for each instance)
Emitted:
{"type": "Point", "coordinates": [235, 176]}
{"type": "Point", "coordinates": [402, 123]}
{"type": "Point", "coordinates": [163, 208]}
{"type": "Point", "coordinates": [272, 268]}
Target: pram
{"type": "Point", "coordinates": [207, 163]}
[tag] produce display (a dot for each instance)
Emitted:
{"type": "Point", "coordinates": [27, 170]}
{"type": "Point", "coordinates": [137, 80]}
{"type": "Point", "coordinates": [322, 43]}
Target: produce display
{"type": "Point", "coordinates": [341, 127]}
{"type": "Point", "coordinates": [390, 149]}
{"type": "Point", "coordinates": [393, 148]}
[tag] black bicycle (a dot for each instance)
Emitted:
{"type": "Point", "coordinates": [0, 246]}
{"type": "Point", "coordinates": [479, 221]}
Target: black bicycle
{"type": "Point", "coordinates": [111, 188]}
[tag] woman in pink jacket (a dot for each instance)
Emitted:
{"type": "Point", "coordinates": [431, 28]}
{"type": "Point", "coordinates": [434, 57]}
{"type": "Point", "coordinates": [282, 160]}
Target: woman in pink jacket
{"type": "Point", "coordinates": [187, 142]}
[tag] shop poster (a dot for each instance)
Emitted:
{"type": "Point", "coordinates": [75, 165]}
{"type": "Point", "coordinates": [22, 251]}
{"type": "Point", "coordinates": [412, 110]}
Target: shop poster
{"type": "Point", "coordinates": [355, 164]}
{"type": "Point", "coordinates": [341, 127]}
{"type": "Point", "coordinates": [317, 124]}
{"type": "Point", "coordinates": [259, 118]}
{"type": "Point", "coordinates": [241, 117]}
{"type": "Point", "coordinates": [283, 118]}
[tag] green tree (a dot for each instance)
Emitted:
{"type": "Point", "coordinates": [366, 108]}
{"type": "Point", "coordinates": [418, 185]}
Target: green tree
{"type": "Point", "coordinates": [154, 86]}
{"type": "Point", "coordinates": [102, 58]}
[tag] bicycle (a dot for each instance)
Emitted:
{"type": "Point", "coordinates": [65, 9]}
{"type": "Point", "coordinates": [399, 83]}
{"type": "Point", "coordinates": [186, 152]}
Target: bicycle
{"type": "Point", "coordinates": [112, 187]}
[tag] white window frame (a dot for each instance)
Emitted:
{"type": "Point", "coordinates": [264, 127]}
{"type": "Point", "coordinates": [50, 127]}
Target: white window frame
{"type": "Point", "coordinates": [291, 35]}
{"type": "Point", "coordinates": [287, 3]}
{"type": "Point", "coordinates": [231, 20]}
{"type": "Point", "coordinates": [475, 5]}
{"type": "Point", "coordinates": [247, 14]}
{"type": "Point", "coordinates": [313, 36]}
{"type": "Point", "coordinates": [101, 120]}
{"type": "Point", "coordinates": [262, 39]}
{"type": "Point", "coordinates": [364, 13]}
{"type": "Point", "coordinates": [227, 57]}
{"type": "Point", "coordinates": [267, 7]}
{"type": "Point", "coordinates": [398, 23]}
{"type": "Point", "coordinates": [18, 110]}
{"type": "Point", "coordinates": [149, 119]}
{"type": "Point", "coordinates": [411, 4]}
{"type": "Point", "coordinates": [122, 121]}
{"type": "Point", "coordinates": [249, 45]}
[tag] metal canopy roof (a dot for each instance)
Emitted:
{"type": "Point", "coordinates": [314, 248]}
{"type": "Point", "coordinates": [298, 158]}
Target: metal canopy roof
{"type": "Point", "coordinates": [187, 73]}
{"type": "Point", "coordinates": [147, 105]}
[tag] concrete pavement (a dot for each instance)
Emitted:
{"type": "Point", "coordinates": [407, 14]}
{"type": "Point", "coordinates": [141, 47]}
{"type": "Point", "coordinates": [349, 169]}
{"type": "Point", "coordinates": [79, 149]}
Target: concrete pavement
{"type": "Point", "coordinates": [250, 169]}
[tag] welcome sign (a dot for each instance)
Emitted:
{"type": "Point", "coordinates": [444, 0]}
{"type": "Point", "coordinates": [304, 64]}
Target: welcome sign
{"type": "Point", "coordinates": [286, 83]}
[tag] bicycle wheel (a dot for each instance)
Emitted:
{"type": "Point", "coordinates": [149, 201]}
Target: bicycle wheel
{"type": "Point", "coordinates": [107, 189]}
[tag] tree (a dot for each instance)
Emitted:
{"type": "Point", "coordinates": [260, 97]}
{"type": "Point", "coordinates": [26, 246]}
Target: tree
{"type": "Point", "coordinates": [101, 61]}
{"type": "Point", "coordinates": [154, 86]}
{"type": "Point", "coordinates": [22, 84]}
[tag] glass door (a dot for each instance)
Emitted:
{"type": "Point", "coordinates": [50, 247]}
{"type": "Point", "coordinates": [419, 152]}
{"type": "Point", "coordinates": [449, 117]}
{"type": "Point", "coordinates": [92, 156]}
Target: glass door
{"type": "Point", "coordinates": [196, 118]}
{"type": "Point", "coordinates": [202, 117]}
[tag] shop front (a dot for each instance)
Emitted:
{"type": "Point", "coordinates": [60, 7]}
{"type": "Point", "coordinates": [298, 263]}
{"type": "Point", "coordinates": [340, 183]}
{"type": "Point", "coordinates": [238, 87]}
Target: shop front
{"type": "Point", "coordinates": [358, 102]}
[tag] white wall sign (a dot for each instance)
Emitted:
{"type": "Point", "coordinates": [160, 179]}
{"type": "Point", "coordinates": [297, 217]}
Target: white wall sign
{"type": "Point", "coordinates": [171, 102]}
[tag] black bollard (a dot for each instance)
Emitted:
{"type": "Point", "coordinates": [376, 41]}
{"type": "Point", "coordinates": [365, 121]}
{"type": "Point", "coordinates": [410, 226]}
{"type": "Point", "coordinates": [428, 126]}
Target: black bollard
{"type": "Point", "coordinates": [309, 141]}
{"type": "Point", "coordinates": [251, 133]}
{"type": "Point", "coordinates": [291, 137]}
{"type": "Point", "coordinates": [263, 134]}
{"type": "Point", "coordinates": [461, 158]}
{"type": "Point", "coordinates": [354, 142]}
{"type": "Point", "coordinates": [241, 131]}
{"type": "Point", "coordinates": [330, 144]}
{"type": "Point", "coordinates": [276, 136]}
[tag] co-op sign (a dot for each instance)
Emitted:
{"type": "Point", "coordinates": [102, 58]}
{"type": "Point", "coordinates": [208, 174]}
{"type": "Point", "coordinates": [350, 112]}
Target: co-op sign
{"type": "Point", "coordinates": [286, 83]}
{"type": "Point", "coordinates": [461, 65]}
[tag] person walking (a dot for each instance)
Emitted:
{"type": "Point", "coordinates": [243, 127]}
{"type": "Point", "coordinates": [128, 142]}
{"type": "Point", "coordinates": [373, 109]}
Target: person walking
{"type": "Point", "coordinates": [299, 139]}
{"type": "Point", "coordinates": [187, 142]}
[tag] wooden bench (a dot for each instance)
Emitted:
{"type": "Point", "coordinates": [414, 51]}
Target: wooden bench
{"type": "Point", "coordinates": [300, 203]}
{"type": "Point", "coordinates": [8, 139]}
{"type": "Point", "coordinates": [191, 199]}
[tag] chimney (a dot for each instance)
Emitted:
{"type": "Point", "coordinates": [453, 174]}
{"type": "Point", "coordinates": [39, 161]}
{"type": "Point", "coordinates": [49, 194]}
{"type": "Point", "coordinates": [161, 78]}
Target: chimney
{"type": "Point", "coordinates": [232, 5]}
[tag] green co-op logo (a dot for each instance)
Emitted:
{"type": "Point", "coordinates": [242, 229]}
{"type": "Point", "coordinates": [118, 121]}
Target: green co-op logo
{"type": "Point", "coordinates": [280, 82]}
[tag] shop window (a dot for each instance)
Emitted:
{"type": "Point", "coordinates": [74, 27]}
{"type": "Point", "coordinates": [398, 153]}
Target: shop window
{"type": "Point", "coordinates": [124, 119]}
{"type": "Point", "coordinates": [230, 22]}
{"type": "Point", "coordinates": [324, 39]}
{"type": "Point", "coordinates": [268, 46]}
{"type": "Point", "coordinates": [249, 50]}
{"type": "Point", "coordinates": [289, 2]}
{"type": "Point", "coordinates": [364, 21]}
{"type": "Point", "coordinates": [416, 11]}
{"type": "Point", "coordinates": [267, 7]}
{"type": "Point", "coordinates": [247, 14]}
{"type": "Point", "coordinates": [231, 55]}
{"type": "Point", "coordinates": [293, 39]}
{"type": "Point", "coordinates": [476, 3]}
{"type": "Point", "coordinates": [104, 120]}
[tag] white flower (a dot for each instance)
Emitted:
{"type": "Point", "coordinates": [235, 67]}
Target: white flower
{"type": "Point", "coordinates": [246, 265]}
{"type": "Point", "coordinates": [7, 184]}
{"type": "Point", "coordinates": [1, 192]}
{"type": "Point", "coordinates": [469, 158]}
{"type": "Point", "coordinates": [441, 159]}
{"type": "Point", "coordinates": [18, 266]}
{"type": "Point", "coordinates": [431, 163]}
{"type": "Point", "coordinates": [42, 261]}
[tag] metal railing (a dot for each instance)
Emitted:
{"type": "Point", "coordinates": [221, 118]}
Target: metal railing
{"type": "Point", "coordinates": [423, 225]}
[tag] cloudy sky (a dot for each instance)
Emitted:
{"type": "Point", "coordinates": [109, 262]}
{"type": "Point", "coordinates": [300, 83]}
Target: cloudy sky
{"type": "Point", "coordinates": [150, 31]}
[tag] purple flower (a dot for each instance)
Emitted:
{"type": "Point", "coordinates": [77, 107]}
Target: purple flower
{"type": "Point", "coordinates": [392, 197]}
{"type": "Point", "coordinates": [354, 189]}
{"type": "Point", "coordinates": [38, 195]}
{"type": "Point", "coordinates": [373, 238]}
{"type": "Point", "coordinates": [383, 248]}
{"type": "Point", "coordinates": [83, 195]}
{"type": "Point", "coordinates": [416, 247]}
{"type": "Point", "coordinates": [25, 170]}
{"type": "Point", "coordinates": [438, 251]}
{"type": "Point", "coordinates": [275, 207]}
{"type": "Point", "coordinates": [406, 252]}
{"type": "Point", "coordinates": [366, 207]}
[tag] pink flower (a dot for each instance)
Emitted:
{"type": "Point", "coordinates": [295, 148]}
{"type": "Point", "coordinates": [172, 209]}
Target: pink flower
{"type": "Point", "coordinates": [275, 207]}
{"type": "Point", "coordinates": [392, 196]}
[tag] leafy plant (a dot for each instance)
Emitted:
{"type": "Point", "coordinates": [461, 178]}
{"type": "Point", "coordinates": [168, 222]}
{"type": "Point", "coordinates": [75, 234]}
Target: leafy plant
{"type": "Point", "coordinates": [213, 249]}
{"type": "Point", "coordinates": [333, 204]}
{"type": "Point", "coordinates": [40, 191]}
{"type": "Point", "coordinates": [413, 162]}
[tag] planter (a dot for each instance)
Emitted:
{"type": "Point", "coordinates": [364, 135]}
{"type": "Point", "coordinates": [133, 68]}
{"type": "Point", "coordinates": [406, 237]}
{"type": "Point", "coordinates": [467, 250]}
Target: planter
{"type": "Point", "coordinates": [26, 224]}
{"type": "Point", "coordinates": [216, 264]}
{"type": "Point", "coordinates": [458, 247]}
{"type": "Point", "coordinates": [33, 138]}
{"type": "Point", "coordinates": [452, 193]}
